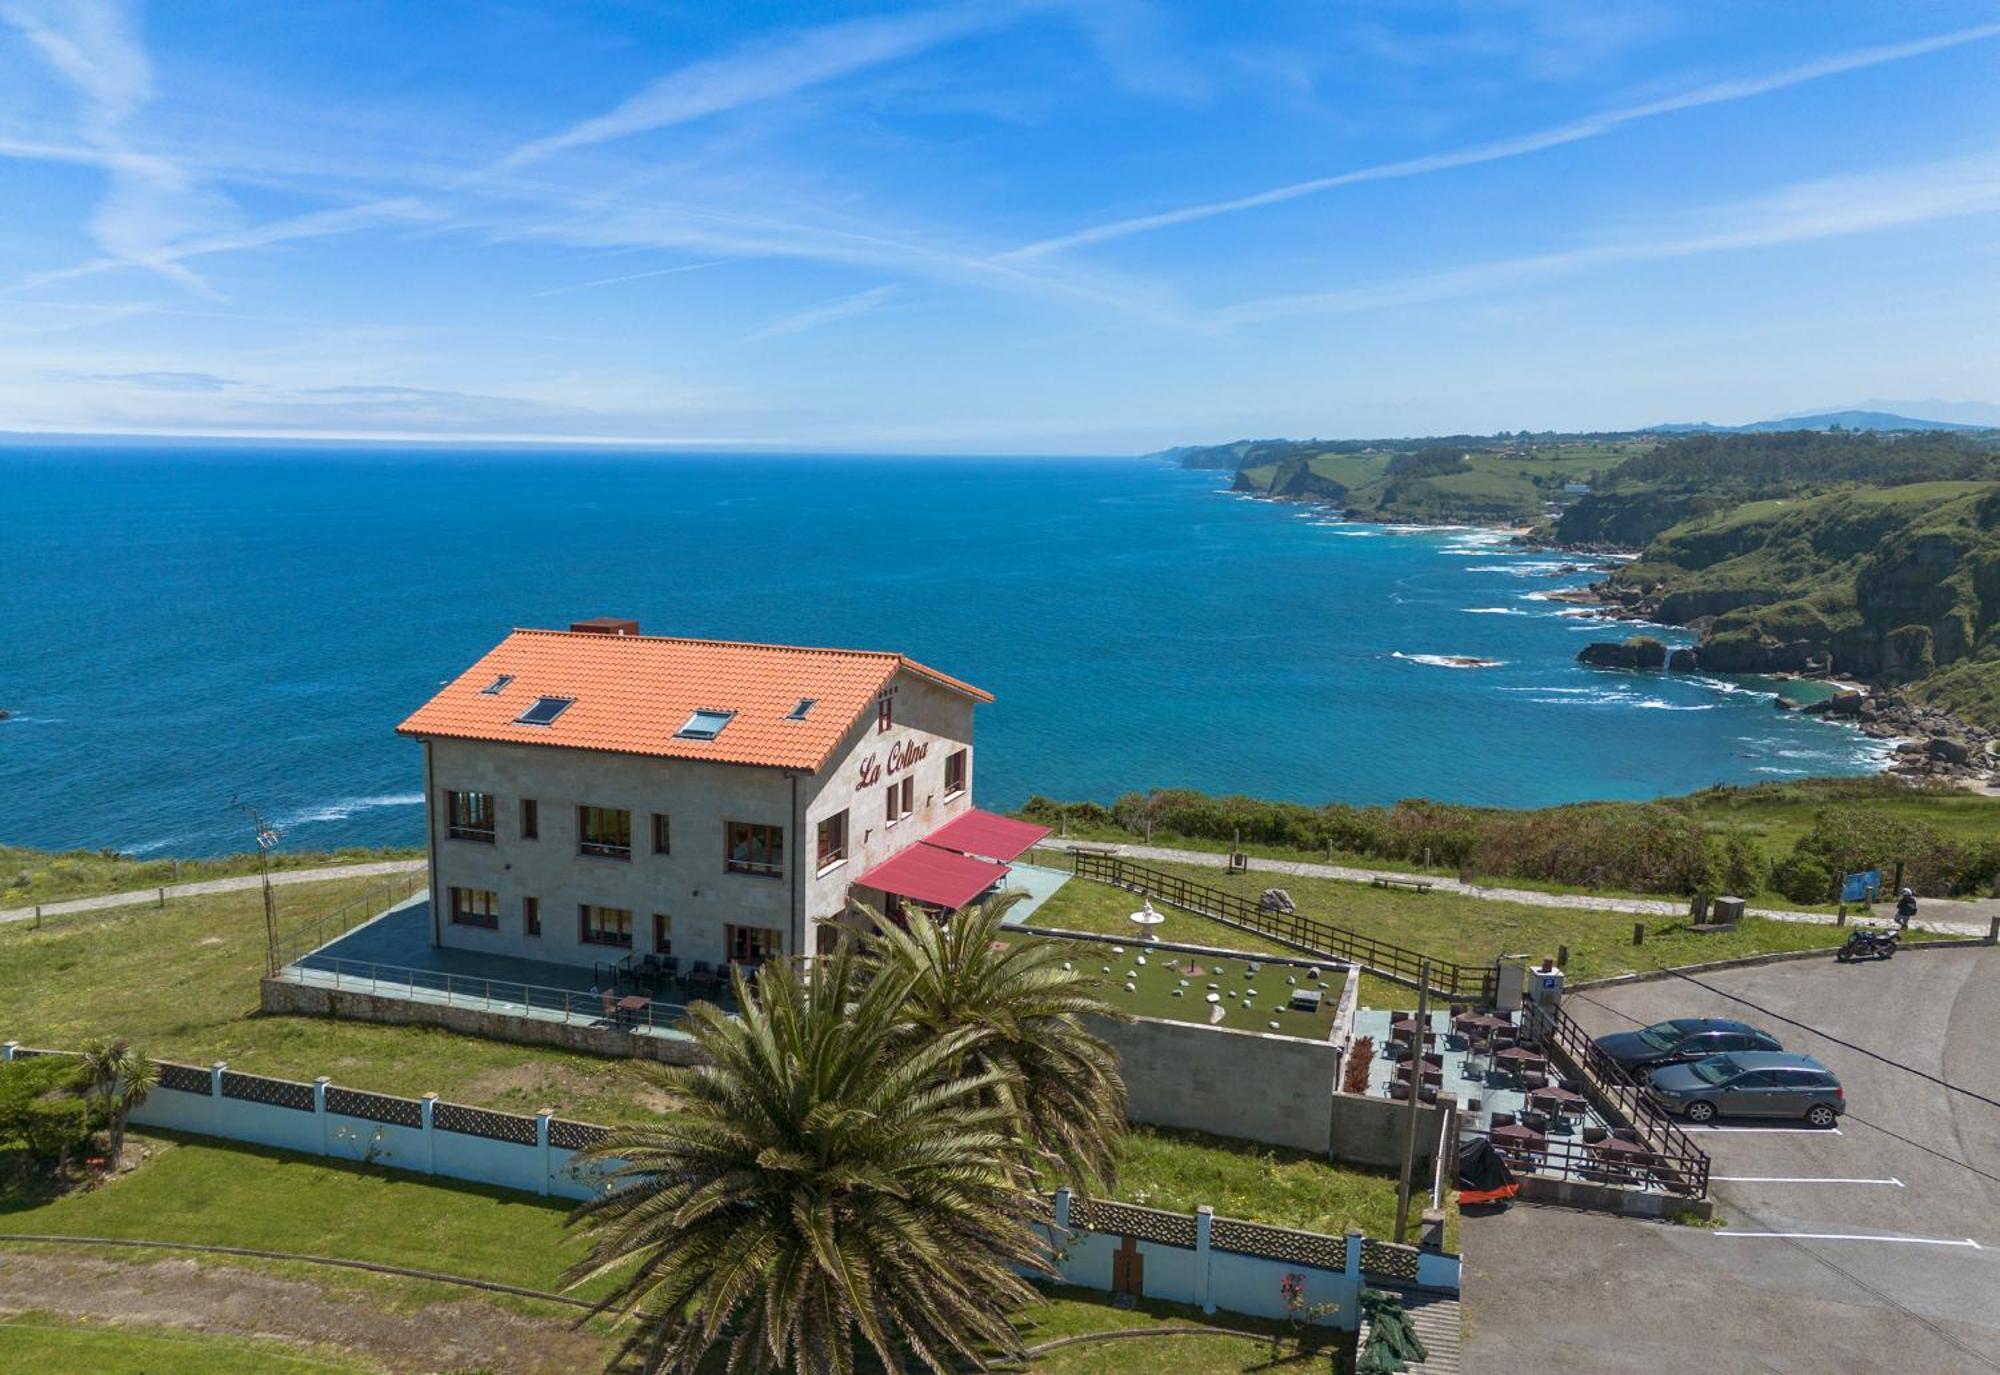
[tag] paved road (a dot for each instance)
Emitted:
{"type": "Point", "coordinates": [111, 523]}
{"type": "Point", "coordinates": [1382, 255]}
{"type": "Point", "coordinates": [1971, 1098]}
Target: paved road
{"type": "Point", "coordinates": [215, 885]}
{"type": "Point", "coordinates": [1950, 918]}
{"type": "Point", "coordinates": [1551, 1289]}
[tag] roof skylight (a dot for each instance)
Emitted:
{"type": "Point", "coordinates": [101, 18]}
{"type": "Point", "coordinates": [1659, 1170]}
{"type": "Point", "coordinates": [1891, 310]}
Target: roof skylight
{"type": "Point", "coordinates": [798, 713]}
{"type": "Point", "coordinates": [545, 710]}
{"type": "Point", "coordinates": [705, 724]}
{"type": "Point", "coordinates": [493, 688]}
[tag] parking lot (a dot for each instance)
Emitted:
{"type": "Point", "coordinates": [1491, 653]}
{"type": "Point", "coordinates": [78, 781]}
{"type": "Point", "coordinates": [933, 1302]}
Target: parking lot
{"type": "Point", "coordinates": [1873, 1246]}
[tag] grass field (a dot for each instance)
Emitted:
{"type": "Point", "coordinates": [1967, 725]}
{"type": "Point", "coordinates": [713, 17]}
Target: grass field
{"type": "Point", "coordinates": [182, 982]}
{"type": "Point", "coordinates": [1176, 987]}
{"type": "Point", "coordinates": [31, 876]}
{"type": "Point", "coordinates": [48, 1343]}
{"type": "Point", "coordinates": [1449, 926]}
{"type": "Point", "coordinates": [185, 1189]}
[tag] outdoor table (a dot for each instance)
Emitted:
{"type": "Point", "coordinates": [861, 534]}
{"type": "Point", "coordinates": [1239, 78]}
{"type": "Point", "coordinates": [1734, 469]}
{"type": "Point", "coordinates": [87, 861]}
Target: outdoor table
{"type": "Point", "coordinates": [1554, 1099]}
{"type": "Point", "coordinates": [1407, 1026]}
{"type": "Point", "coordinates": [1625, 1159]}
{"type": "Point", "coordinates": [1433, 1072]}
{"type": "Point", "coordinates": [1517, 1139]}
{"type": "Point", "coordinates": [630, 1006]}
{"type": "Point", "coordinates": [1521, 1058]}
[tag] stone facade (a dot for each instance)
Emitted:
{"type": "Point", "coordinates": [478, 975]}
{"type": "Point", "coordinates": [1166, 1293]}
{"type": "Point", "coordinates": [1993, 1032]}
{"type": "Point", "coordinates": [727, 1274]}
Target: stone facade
{"type": "Point", "coordinates": [690, 883]}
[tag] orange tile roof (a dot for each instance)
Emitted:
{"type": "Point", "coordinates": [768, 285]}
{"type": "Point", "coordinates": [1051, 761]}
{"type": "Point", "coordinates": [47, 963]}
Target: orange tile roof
{"type": "Point", "coordinates": [633, 692]}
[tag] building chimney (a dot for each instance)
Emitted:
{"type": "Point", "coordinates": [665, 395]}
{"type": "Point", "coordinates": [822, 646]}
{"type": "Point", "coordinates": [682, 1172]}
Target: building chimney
{"type": "Point", "coordinates": [605, 625]}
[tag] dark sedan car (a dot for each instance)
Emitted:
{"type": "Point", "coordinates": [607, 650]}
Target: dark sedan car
{"type": "Point", "coordinates": [1680, 1040]}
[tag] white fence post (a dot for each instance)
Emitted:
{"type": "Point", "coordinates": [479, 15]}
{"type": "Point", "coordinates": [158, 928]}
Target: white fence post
{"type": "Point", "coordinates": [542, 1144]}
{"type": "Point", "coordinates": [429, 1108]}
{"type": "Point", "coordinates": [1204, 1218]}
{"type": "Point", "coordinates": [319, 1111]}
{"type": "Point", "coordinates": [9, 1050]}
{"type": "Point", "coordinates": [215, 1072]}
{"type": "Point", "coordinates": [1350, 1299]}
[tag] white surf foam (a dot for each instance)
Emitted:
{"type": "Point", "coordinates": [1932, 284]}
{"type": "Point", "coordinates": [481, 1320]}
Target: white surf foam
{"type": "Point", "coordinates": [1448, 660]}
{"type": "Point", "coordinates": [347, 807]}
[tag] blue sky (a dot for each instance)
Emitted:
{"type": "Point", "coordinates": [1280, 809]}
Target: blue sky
{"type": "Point", "coordinates": [1062, 226]}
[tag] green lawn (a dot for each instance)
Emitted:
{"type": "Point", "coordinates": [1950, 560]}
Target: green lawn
{"type": "Point", "coordinates": [47, 1342]}
{"type": "Point", "coordinates": [1447, 925]}
{"type": "Point", "coordinates": [31, 876]}
{"type": "Point", "coordinates": [1175, 986]}
{"type": "Point", "coordinates": [242, 1195]}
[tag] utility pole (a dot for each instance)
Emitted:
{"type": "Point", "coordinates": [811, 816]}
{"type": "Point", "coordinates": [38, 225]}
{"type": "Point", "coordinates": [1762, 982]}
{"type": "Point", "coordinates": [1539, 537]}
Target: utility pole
{"type": "Point", "coordinates": [267, 840]}
{"type": "Point", "coordinates": [1416, 1096]}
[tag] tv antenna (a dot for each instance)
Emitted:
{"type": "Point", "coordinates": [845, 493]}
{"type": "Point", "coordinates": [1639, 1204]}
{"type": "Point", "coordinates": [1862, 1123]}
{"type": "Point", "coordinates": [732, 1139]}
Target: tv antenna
{"type": "Point", "coordinates": [267, 840]}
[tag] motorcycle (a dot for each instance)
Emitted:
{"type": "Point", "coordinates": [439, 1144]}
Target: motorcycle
{"type": "Point", "coordinates": [1863, 944]}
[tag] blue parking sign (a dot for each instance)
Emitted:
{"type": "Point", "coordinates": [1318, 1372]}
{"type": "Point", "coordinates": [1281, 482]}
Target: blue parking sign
{"type": "Point", "coordinates": [1861, 887]}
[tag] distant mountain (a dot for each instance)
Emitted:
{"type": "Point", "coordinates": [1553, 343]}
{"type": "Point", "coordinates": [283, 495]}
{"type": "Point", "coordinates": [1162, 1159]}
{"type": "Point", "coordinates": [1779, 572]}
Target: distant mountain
{"type": "Point", "coordinates": [1824, 420]}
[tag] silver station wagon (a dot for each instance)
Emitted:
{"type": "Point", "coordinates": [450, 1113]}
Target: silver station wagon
{"type": "Point", "coordinates": [1750, 1083]}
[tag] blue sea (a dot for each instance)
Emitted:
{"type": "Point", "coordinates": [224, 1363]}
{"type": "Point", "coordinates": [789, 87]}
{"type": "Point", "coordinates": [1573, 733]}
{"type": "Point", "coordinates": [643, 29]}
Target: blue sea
{"type": "Point", "coordinates": [184, 628]}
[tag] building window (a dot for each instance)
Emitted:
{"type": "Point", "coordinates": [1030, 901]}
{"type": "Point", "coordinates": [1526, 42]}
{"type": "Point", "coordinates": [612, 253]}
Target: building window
{"type": "Point", "coordinates": [662, 835]}
{"type": "Point", "coordinates": [531, 819]}
{"type": "Point", "coordinates": [469, 816]}
{"type": "Point", "coordinates": [531, 916]}
{"type": "Point", "coordinates": [604, 831]}
{"type": "Point", "coordinates": [475, 907]}
{"type": "Point", "coordinates": [753, 849]}
{"type": "Point", "coordinates": [898, 801]}
{"type": "Point", "coordinates": [663, 934]}
{"type": "Point", "coordinates": [604, 925]}
{"type": "Point", "coordinates": [885, 713]}
{"type": "Point", "coordinates": [954, 773]}
{"type": "Point", "coordinates": [753, 944]}
{"type": "Point", "coordinates": [705, 724]}
{"type": "Point", "coordinates": [833, 840]}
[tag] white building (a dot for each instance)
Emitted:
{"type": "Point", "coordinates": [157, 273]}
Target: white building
{"type": "Point", "coordinates": [597, 793]}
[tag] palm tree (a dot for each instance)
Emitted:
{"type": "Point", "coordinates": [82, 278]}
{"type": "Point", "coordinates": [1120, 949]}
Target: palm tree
{"type": "Point", "coordinates": [1057, 1080]}
{"type": "Point", "coordinates": [820, 1178]}
{"type": "Point", "coordinates": [116, 1079]}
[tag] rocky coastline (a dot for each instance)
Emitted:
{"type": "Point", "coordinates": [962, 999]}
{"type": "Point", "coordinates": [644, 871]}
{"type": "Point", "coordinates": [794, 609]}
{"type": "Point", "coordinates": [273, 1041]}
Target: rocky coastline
{"type": "Point", "coordinates": [1930, 745]}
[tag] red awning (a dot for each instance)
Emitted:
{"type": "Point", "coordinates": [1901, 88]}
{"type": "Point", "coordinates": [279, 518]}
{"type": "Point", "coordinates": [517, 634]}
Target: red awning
{"type": "Point", "coordinates": [982, 833]}
{"type": "Point", "coordinates": [943, 878]}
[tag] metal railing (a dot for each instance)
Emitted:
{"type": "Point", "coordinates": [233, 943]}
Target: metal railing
{"type": "Point", "coordinates": [509, 996]}
{"type": "Point", "coordinates": [1634, 1167]}
{"type": "Point", "coordinates": [1561, 1035]}
{"type": "Point", "coordinates": [1458, 982]}
{"type": "Point", "coordinates": [311, 935]}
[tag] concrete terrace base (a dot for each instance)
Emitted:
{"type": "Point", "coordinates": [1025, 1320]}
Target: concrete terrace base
{"type": "Point", "coordinates": [1609, 1198]}
{"type": "Point", "coordinates": [286, 998]}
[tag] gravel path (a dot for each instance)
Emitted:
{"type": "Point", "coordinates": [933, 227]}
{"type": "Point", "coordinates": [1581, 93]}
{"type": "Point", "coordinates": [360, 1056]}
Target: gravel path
{"type": "Point", "coordinates": [1945, 917]}
{"type": "Point", "coordinates": [240, 884]}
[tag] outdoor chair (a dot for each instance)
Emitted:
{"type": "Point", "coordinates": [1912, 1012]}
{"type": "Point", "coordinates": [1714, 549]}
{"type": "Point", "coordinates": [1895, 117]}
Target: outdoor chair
{"type": "Point", "coordinates": [1535, 1121]}
{"type": "Point", "coordinates": [1503, 1119]}
{"type": "Point", "coordinates": [1593, 1135]}
{"type": "Point", "coordinates": [1628, 1134]}
{"type": "Point", "coordinates": [670, 968]}
{"type": "Point", "coordinates": [1531, 1082]}
{"type": "Point", "coordinates": [611, 1013]}
{"type": "Point", "coordinates": [702, 977]}
{"type": "Point", "coordinates": [1399, 1089]}
{"type": "Point", "coordinates": [1573, 1085]}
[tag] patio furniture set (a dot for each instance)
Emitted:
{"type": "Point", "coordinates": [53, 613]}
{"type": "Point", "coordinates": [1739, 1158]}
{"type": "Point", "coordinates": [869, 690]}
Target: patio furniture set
{"type": "Point", "coordinates": [651, 977]}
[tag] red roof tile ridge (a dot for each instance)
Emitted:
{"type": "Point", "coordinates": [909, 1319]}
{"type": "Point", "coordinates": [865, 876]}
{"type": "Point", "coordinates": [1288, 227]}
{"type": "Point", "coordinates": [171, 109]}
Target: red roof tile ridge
{"type": "Point", "coordinates": [888, 655]}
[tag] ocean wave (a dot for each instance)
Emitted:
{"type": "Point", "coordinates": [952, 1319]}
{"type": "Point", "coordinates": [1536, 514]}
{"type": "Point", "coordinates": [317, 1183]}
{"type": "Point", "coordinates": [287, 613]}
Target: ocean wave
{"type": "Point", "coordinates": [347, 807]}
{"type": "Point", "coordinates": [1358, 534]}
{"type": "Point", "coordinates": [1576, 692]}
{"type": "Point", "coordinates": [1448, 660]}
{"type": "Point", "coordinates": [1660, 704]}
{"type": "Point", "coordinates": [1766, 768]}
{"type": "Point", "coordinates": [1495, 611]}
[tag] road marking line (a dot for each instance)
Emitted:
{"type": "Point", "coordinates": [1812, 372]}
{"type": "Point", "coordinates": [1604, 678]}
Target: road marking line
{"type": "Point", "coordinates": [1796, 1179]}
{"type": "Point", "coordinates": [1779, 1131]}
{"type": "Point", "coordinates": [1852, 1236]}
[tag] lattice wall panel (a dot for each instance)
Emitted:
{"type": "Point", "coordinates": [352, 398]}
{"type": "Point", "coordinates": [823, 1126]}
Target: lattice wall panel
{"type": "Point", "coordinates": [1385, 1260]}
{"type": "Point", "coordinates": [277, 1093]}
{"type": "Point", "coordinates": [1124, 1220]}
{"type": "Point", "coordinates": [375, 1107]}
{"type": "Point", "coordinates": [185, 1078]}
{"type": "Point", "coordinates": [495, 1126]}
{"type": "Point", "coordinates": [574, 1136]}
{"type": "Point", "coordinates": [1278, 1243]}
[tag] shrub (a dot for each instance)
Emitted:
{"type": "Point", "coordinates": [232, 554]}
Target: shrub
{"type": "Point", "coordinates": [41, 1111]}
{"type": "Point", "coordinates": [1354, 1073]}
{"type": "Point", "coordinates": [1803, 878]}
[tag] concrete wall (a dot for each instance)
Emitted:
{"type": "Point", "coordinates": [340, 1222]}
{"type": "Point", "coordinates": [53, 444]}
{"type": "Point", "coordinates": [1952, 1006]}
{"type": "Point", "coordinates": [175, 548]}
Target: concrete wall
{"type": "Point", "coordinates": [1371, 1131]}
{"type": "Point", "coordinates": [1247, 1084]}
{"type": "Point", "coordinates": [691, 885]}
{"type": "Point", "coordinates": [284, 997]}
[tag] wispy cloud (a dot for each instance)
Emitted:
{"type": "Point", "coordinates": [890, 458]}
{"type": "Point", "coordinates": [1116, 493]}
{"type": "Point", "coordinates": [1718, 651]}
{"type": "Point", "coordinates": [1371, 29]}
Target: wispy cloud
{"type": "Point", "coordinates": [632, 277]}
{"type": "Point", "coordinates": [767, 70]}
{"type": "Point", "coordinates": [831, 312]}
{"type": "Point", "coordinates": [156, 381]}
{"type": "Point", "coordinates": [94, 47]}
{"type": "Point", "coordinates": [1590, 127]}
{"type": "Point", "coordinates": [1818, 209]}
